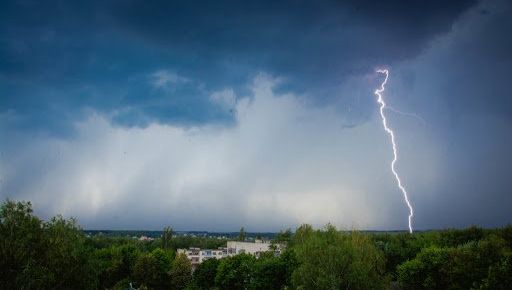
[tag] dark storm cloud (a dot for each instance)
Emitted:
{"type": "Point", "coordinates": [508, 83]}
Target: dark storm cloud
{"type": "Point", "coordinates": [461, 86]}
{"type": "Point", "coordinates": [60, 57]}
{"type": "Point", "coordinates": [302, 143]}
{"type": "Point", "coordinates": [313, 42]}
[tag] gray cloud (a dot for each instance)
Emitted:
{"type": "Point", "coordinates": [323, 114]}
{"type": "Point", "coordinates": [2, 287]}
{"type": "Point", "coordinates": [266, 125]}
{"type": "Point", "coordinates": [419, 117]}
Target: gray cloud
{"type": "Point", "coordinates": [285, 159]}
{"type": "Point", "coordinates": [58, 57]}
{"type": "Point", "coordinates": [460, 86]}
{"type": "Point", "coordinates": [283, 163]}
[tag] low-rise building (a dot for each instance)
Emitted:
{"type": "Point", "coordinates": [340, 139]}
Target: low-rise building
{"type": "Point", "coordinates": [254, 249]}
{"type": "Point", "coordinates": [145, 239]}
{"type": "Point", "coordinates": [196, 255]}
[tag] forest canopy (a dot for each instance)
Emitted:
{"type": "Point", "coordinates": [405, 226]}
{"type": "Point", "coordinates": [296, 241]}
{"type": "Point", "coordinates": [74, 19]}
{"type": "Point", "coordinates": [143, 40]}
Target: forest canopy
{"type": "Point", "coordinates": [57, 254]}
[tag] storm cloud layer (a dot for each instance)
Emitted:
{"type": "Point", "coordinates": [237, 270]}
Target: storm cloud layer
{"type": "Point", "coordinates": [212, 116]}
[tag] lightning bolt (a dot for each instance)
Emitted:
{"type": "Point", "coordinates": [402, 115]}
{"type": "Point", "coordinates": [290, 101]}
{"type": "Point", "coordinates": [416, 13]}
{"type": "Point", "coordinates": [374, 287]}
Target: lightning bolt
{"type": "Point", "coordinates": [380, 100]}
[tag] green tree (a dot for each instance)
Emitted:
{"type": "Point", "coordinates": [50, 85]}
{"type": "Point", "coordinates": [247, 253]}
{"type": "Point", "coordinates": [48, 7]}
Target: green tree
{"type": "Point", "coordinates": [499, 276]}
{"type": "Point", "coordinates": [167, 237]}
{"type": "Point", "coordinates": [116, 262]}
{"type": "Point", "coordinates": [283, 236]}
{"type": "Point", "coordinates": [109, 266]}
{"type": "Point", "coordinates": [506, 234]}
{"type": "Point", "coordinates": [235, 273]}
{"type": "Point", "coordinates": [70, 263]}
{"type": "Point", "coordinates": [270, 273]}
{"type": "Point", "coordinates": [181, 272]}
{"type": "Point", "coordinates": [469, 264]}
{"type": "Point", "coordinates": [21, 247]}
{"type": "Point", "coordinates": [332, 260]}
{"type": "Point", "coordinates": [454, 238]}
{"type": "Point", "coordinates": [400, 247]}
{"type": "Point", "coordinates": [145, 271]}
{"type": "Point", "coordinates": [204, 275]}
{"type": "Point", "coordinates": [242, 234]}
{"type": "Point", "coordinates": [42, 255]}
{"type": "Point", "coordinates": [302, 233]}
{"type": "Point", "coordinates": [152, 270]}
{"type": "Point", "coordinates": [425, 271]}
{"type": "Point", "coordinates": [463, 267]}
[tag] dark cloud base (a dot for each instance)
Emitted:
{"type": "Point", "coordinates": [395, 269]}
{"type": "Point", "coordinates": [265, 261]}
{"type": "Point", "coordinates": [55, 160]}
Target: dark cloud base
{"type": "Point", "coordinates": [58, 57]}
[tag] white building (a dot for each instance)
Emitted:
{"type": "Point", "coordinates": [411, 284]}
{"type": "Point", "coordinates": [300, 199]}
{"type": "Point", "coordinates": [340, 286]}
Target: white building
{"type": "Point", "coordinates": [254, 249]}
{"type": "Point", "coordinates": [145, 239]}
{"type": "Point", "coordinates": [196, 256]}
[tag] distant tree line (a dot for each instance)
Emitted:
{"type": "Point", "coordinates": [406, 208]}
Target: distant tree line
{"type": "Point", "coordinates": [56, 254]}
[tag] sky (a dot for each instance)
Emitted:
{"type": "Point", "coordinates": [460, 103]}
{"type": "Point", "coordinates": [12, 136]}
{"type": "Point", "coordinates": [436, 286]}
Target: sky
{"type": "Point", "coordinates": [212, 115]}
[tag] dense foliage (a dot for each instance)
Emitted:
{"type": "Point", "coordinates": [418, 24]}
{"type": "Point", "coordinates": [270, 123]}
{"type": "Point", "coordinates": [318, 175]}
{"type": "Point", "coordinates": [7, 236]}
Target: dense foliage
{"type": "Point", "coordinates": [42, 255]}
{"type": "Point", "coordinates": [333, 260]}
{"type": "Point", "coordinates": [56, 254]}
